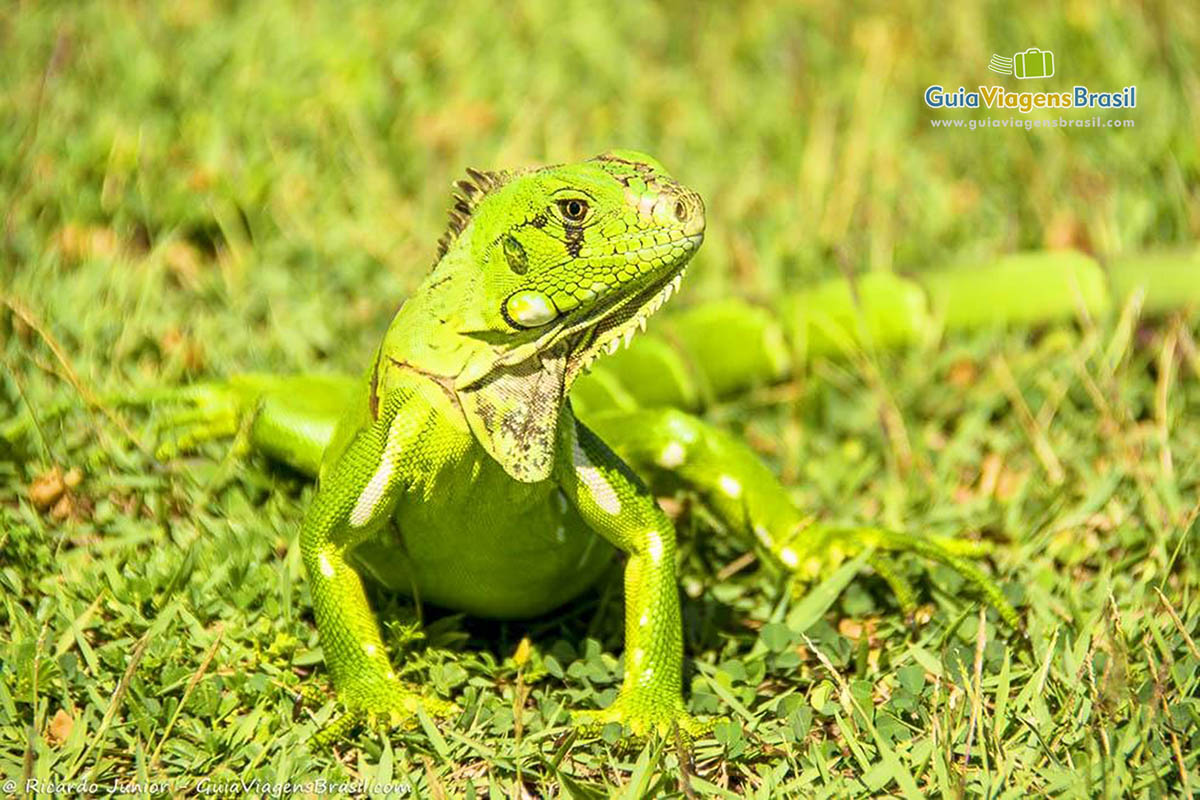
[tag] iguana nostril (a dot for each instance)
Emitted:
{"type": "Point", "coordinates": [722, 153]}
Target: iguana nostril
{"type": "Point", "coordinates": [681, 212]}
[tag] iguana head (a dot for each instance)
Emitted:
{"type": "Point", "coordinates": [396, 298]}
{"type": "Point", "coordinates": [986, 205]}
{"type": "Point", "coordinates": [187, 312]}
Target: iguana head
{"type": "Point", "coordinates": [562, 264]}
{"type": "Point", "coordinates": [574, 258]}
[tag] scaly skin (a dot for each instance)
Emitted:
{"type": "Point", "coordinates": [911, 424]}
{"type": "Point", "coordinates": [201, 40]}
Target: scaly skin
{"type": "Point", "coordinates": [687, 361]}
{"type": "Point", "coordinates": [461, 443]}
{"type": "Point", "coordinates": [456, 468]}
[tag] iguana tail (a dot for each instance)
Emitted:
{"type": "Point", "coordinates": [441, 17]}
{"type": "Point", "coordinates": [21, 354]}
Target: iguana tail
{"type": "Point", "coordinates": [695, 357]}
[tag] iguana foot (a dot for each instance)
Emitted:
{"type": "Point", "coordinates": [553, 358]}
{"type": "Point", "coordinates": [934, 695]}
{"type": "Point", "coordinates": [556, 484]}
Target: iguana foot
{"type": "Point", "coordinates": [289, 418]}
{"type": "Point", "coordinates": [678, 449]}
{"type": "Point", "coordinates": [189, 416]}
{"type": "Point", "coordinates": [814, 551]}
{"type": "Point", "coordinates": [383, 707]}
{"type": "Point", "coordinates": [646, 717]}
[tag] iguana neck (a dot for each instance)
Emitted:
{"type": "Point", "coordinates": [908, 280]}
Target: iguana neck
{"type": "Point", "coordinates": [432, 329]}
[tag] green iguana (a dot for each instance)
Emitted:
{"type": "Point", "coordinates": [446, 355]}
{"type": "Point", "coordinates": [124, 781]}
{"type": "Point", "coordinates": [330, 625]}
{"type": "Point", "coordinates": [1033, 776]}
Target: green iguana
{"type": "Point", "coordinates": [458, 470]}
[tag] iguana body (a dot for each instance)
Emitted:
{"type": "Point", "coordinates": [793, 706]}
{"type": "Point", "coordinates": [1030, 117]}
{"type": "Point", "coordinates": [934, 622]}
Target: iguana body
{"type": "Point", "coordinates": [456, 470]}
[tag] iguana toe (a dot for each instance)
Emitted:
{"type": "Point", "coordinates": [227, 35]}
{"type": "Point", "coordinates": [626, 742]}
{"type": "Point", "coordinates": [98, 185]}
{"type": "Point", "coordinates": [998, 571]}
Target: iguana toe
{"type": "Point", "coordinates": [645, 720]}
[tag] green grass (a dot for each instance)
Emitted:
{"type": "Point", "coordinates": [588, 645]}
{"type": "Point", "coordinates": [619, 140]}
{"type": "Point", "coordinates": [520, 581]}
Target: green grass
{"type": "Point", "coordinates": [208, 190]}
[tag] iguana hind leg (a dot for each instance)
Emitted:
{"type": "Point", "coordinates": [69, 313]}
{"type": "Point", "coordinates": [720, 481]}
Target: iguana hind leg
{"type": "Point", "coordinates": [290, 418]}
{"type": "Point", "coordinates": [673, 449]}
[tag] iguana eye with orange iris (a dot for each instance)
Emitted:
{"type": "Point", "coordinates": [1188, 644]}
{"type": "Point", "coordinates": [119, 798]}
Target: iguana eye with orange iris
{"type": "Point", "coordinates": [573, 209]}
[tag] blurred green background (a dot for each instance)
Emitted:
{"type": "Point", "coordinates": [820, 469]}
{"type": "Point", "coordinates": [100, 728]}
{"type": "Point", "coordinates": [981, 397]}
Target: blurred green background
{"type": "Point", "coordinates": [281, 163]}
{"type": "Point", "coordinates": [196, 188]}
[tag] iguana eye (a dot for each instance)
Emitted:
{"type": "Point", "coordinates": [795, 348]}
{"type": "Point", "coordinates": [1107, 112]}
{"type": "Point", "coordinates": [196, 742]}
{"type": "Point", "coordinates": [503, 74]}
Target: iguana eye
{"type": "Point", "coordinates": [573, 209]}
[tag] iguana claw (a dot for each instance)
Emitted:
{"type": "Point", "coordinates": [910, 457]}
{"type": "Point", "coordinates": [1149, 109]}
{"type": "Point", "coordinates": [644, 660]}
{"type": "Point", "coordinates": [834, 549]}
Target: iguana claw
{"type": "Point", "coordinates": [389, 707]}
{"type": "Point", "coordinates": [197, 414]}
{"type": "Point", "coordinates": [645, 719]}
{"type": "Point", "coordinates": [813, 552]}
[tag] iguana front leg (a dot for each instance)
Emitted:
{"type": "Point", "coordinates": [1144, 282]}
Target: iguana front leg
{"type": "Point", "coordinates": [355, 500]}
{"type": "Point", "coordinates": [612, 500]}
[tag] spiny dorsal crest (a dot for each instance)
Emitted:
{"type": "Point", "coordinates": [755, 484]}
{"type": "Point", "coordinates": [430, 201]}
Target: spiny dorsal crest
{"type": "Point", "coordinates": [466, 199]}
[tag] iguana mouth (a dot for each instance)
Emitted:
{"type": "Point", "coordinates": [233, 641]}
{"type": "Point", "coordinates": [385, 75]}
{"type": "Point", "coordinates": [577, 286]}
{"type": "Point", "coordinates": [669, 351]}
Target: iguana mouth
{"type": "Point", "coordinates": [604, 331]}
{"type": "Point", "coordinates": [579, 338]}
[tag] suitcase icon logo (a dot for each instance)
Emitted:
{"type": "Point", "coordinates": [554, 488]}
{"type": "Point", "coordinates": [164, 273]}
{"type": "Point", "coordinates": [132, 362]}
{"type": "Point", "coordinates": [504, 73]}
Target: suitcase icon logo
{"type": "Point", "coordinates": [1032, 63]}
